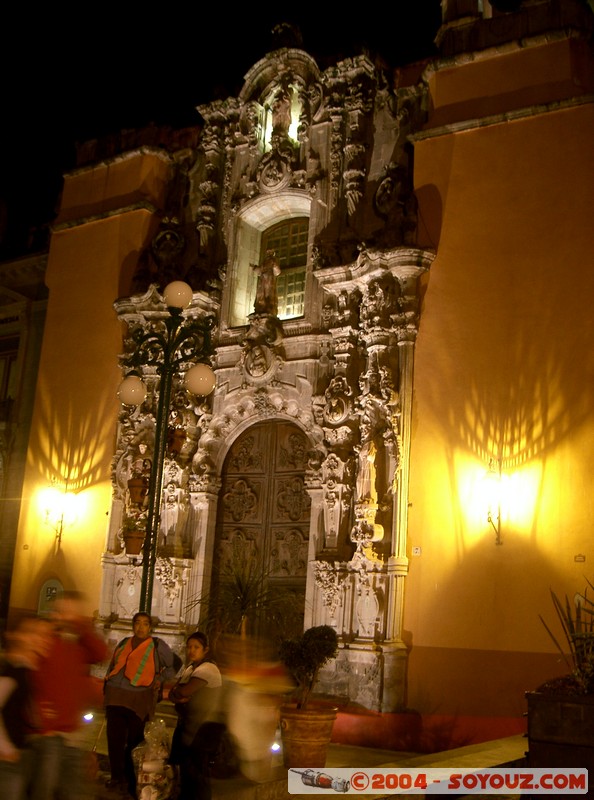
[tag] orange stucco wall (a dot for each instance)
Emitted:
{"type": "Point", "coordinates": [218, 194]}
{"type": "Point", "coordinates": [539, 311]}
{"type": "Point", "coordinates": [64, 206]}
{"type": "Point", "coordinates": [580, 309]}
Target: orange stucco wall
{"type": "Point", "coordinates": [73, 430]}
{"type": "Point", "coordinates": [503, 368]}
{"type": "Point", "coordinates": [136, 178]}
{"type": "Point", "coordinates": [505, 81]}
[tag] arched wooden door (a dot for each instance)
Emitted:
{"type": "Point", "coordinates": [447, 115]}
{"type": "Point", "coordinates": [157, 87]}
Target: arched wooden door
{"type": "Point", "coordinates": [260, 558]}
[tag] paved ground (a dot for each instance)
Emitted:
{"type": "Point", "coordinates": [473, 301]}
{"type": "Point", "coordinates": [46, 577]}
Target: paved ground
{"type": "Point", "coordinates": [274, 787]}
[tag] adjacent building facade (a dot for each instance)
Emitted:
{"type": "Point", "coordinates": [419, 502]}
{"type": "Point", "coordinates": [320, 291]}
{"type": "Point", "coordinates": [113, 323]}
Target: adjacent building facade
{"type": "Point", "coordinates": [398, 266]}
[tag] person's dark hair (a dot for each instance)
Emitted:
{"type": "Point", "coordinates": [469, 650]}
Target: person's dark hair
{"type": "Point", "coordinates": [199, 637]}
{"type": "Point", "coordinates": [140, 614]}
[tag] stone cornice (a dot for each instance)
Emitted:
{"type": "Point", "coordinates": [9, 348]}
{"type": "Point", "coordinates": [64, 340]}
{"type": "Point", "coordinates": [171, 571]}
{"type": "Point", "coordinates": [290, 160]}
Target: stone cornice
{"type": "Point", "coordinates": [120, 157]}
{"type": "Point", "coordinates": [402, 262]}
{"type": "Point", "coordinates": [505, 48]}
{"type": "Point", "coordinates": [497, 119]}
{"type": "Point", "coordinates": [113, 212]}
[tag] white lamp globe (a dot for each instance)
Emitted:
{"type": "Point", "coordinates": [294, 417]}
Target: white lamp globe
{"type": "Point", "coordinates": [178, 294]}
{"type": "Point", "coordinates": [132, 391]}
{"type": "Point", "coordinates": [200, 380]}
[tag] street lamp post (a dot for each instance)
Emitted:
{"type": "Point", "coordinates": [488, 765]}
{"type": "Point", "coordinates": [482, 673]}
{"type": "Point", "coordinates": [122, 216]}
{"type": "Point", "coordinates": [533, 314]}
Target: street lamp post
{"type": "Point", "coordinates": [180, 342]}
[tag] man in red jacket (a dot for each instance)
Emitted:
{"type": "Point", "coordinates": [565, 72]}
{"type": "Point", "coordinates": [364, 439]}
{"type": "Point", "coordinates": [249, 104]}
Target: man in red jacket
{"type": "Point", "coordinates": [63, 692]}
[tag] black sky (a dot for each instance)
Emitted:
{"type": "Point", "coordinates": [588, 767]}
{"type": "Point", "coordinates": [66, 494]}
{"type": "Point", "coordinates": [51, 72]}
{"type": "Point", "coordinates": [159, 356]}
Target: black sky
{"type": "Point", "coordinates": [76, 73]}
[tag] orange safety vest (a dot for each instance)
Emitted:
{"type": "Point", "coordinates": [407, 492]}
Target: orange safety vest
{"type": "Point", "coordinates": [138, 663]}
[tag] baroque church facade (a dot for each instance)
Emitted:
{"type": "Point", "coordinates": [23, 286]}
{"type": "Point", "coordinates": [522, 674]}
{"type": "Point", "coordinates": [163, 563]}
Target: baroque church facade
{"type": "Point", "coordinates": [300, 223]}
{"type": "Point", "coordinates": [373, 252]}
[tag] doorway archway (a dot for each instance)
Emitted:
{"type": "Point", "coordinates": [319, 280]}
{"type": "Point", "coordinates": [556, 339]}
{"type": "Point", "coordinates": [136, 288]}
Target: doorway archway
{"type": "Point", "coordinates": [262, 533]}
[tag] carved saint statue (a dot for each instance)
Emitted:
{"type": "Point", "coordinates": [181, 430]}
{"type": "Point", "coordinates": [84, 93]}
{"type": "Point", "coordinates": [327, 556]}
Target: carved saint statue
{"type": "Point", "coordinates": [266, 298]}
{"type": "Point", "coordinates": [281, 112]}
{"type": "Point", "coordinates": [366, 473]}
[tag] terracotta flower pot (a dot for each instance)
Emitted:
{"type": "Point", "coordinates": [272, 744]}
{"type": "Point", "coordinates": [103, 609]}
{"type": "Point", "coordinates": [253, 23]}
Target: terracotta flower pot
{"type": "Point", "coordinates": [138, 488]}
{"type": "Point", "coordinates": [306, 734]}
{"type": "Point", "coordinates": [133, 541]}
{"type": "Point", "coordinates": [561, 731]}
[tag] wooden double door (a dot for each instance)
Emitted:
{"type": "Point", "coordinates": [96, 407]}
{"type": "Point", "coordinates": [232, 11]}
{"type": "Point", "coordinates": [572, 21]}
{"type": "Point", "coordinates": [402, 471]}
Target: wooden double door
{"type": "Point", "coordinates": [261, 546]}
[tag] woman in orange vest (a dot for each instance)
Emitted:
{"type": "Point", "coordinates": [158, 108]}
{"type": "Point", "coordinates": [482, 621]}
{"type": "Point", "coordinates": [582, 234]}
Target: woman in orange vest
{"type": "Point", "coordinates": [139, 665]}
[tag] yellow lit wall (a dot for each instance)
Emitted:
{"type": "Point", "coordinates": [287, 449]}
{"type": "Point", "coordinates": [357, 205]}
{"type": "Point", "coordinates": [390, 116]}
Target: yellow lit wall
{"type": "Point", "coordinates": [504, 368]}
{"type": "Point", "coordinates": [104, 222]}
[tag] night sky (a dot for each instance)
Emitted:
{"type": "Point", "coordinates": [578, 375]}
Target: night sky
{"type": "Point", "coordinates": [75, 74]}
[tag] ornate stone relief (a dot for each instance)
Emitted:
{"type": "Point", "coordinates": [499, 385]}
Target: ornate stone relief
{"type": "Point", "coordinates": [134, 453]}
{"type": "Point", "coordinates": [171, 577]}
{"type": "Point", "coordinates": [336, 480]}
{"type": "Point", "coordinates": [343, 373]}
{"type": "Point", "coordinates": [329, 582]}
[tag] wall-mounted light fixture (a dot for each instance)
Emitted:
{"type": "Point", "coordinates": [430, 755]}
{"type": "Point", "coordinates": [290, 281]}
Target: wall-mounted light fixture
{"type": "Point", "coordinates": [59, 507]}
{"type": "Point", "coordinates": [493, 497]}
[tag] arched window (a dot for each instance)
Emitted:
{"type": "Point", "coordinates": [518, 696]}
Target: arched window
{"type": "Point", "coordinates": [279, 223]}
{"type": "Point", "coordinates": [288, 239]}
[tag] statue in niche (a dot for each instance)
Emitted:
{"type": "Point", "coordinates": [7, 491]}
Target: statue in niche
{"type": "Point", "coordinates": [366, 490]}
{"type": "Point", "coordinates": [281, 111]}
{"type": "Point", "coordinates": [266, 297]}
{"type": "Point", "coordinates": [371, 425]}
{"type": "Point", "coordinates": [170, 512]}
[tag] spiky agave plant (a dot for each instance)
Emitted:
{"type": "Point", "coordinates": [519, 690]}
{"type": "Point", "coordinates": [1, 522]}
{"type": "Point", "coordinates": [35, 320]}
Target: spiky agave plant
{"type": "Point", "coordinates": [577, 622]}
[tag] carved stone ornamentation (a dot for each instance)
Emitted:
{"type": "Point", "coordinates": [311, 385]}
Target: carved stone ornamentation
{"type": "Point", "coordinates": [330, 584]}
{"type": "Point", "coordinates": [206, 215]}
{"type": "Point", "coordinates": [337, 496]}
{"type": "Point", "coordinates": [354, 176]}
{"type": "Point", "coordinates": [378, 303]}
{"type": "Point", "coordinates": [300, 455]}
{"type": "Point", "coordinates": [339, 401]}
{"type": "Point", "coordinates": [171, 578]}
{"type": "Point", "coordinates": [396, 204]}
{"type": "Point", "coordinates": [163, 260]}
{"type": "Point", "coordinates": [369, 571]}
{"type": "Point", "coordinates": [275, 171]}
{"type": "Point", "coordinates": [338, 437]}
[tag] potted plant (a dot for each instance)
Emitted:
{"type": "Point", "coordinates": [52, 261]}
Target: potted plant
{"type": "Point", "coordinates": [133, 533]}
{"type": "Point", "coordinates": [306, 729]}
{"type": "Point", "coordinates": [242, 602]}
{"type": "Point", "coordinates": [242, 613]}
{"type": "Point", "coordinates": [561, 711]}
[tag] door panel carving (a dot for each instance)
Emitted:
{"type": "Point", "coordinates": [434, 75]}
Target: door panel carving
{"type": "Point", "coordinates": [260, 560]}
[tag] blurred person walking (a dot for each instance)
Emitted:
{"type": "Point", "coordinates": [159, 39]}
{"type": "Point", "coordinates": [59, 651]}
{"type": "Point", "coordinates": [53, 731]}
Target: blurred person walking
{"type": "Point", "coordinates": [26, 646]}
{"type": "Point", "coordinates": [63, 693]}
{"type": "Point", "coordinates": [140, 664]}
{"type": "Point", "coordinates": [197, 698]}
